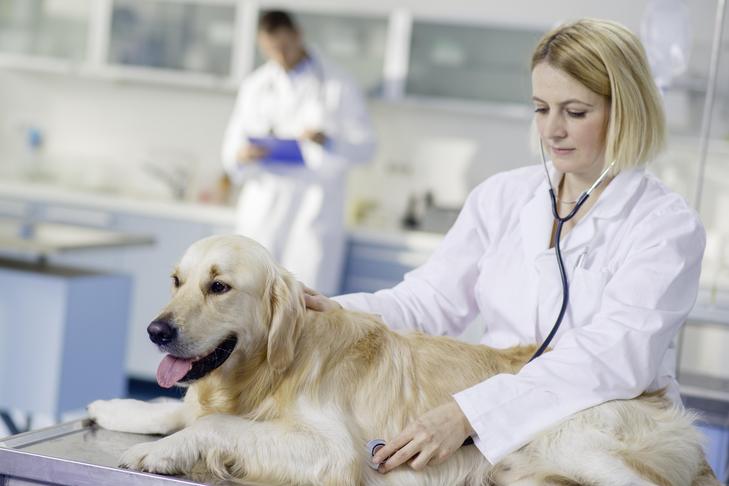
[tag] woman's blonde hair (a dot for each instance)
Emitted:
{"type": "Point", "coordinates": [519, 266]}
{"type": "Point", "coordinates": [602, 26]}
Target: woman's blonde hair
{"type": "Point", "coordinates": [609, 60]}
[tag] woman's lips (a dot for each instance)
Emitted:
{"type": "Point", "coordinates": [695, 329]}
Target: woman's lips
{"type": "Point", "coordinates": [562, 151]}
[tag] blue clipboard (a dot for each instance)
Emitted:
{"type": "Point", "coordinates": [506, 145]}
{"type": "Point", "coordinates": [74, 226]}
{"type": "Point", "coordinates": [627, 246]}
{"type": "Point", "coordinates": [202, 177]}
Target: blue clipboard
{"type": "Point", "coordinates": [280, 150]}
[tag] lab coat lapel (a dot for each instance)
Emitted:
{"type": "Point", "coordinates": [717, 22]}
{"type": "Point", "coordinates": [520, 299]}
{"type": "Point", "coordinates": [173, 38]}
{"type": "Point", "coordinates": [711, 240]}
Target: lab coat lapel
{"type": "Point", "coordinates": [535, 220]}
{"type": "Point", "coordinates": [611, 203]}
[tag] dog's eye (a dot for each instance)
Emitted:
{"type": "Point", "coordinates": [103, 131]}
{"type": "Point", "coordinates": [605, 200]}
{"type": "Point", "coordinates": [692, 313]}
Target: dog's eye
{"type": "Point", "coordinates": [218, 287]}
{"type": "Point", "coordinates": [175, 281]}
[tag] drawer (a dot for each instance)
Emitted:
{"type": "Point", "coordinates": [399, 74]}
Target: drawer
{"type": "Point", "coordinates": [14, 208]}
{"type": "Point", "coordinates": [74, 215]}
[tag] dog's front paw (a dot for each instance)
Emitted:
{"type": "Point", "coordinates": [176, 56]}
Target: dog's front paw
{"type": "Point", "coordinates": [112, 414]}
{"type": "Point", "coordinates": [134, 416]}
{"type": "Point", "coordinates": [165, 456]}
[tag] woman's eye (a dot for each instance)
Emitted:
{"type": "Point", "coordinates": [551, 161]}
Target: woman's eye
{"type": "Point", "coordinates": [540, 110]}
{"type": "Point", "coordinates": [218, 287]}
{"type": "Point", "coordinates": [175, 281]}
{"type": "Point", "coordinates": [576, 114]}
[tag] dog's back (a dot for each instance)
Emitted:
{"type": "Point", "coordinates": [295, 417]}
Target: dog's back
{"type": "Point", "coordinates": [388, 379]}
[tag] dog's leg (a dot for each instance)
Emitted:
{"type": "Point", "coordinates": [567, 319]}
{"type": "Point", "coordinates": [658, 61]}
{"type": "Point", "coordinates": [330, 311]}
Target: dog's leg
{"type": "Point", "coordinates": [231, 447]}
{"type": "Point", "coordinates": [135, 416]}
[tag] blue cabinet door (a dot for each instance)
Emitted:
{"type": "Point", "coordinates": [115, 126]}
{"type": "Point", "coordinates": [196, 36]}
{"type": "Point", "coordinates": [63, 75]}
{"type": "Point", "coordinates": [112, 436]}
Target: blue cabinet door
{"type": "Point", "coordinates": [717, 447]}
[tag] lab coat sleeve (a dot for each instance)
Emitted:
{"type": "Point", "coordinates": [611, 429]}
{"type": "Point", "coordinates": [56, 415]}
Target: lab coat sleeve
{"type": "Point", "coordinates": [614, 356]}
{"type": "Point", "coordinates": [350, 137]}
{"type": "Point", "coordinates": [438, 297]}
{"type": "Point", "coordinates": [234, 139]}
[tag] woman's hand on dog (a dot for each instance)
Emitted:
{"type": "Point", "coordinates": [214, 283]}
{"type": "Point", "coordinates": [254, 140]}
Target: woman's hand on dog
{"type": "Point", "coordinates": [318, 302]}
{"type": "Point", "coordinates": [429, 440]}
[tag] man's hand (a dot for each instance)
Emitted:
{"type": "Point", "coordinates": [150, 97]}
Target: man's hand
{"type": "Point", "coordinates": [251, 153]}
{"type": "Point", "coordinates": [318, 302]}
{"type": "Point", "coordinates": [315, 136]}
{"type": "Point", "coordinates": [429, 440]}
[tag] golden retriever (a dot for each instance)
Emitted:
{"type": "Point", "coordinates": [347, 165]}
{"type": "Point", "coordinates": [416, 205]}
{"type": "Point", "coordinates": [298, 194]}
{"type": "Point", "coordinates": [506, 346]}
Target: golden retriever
{"type": "Point", "coordinates": [279, 394]}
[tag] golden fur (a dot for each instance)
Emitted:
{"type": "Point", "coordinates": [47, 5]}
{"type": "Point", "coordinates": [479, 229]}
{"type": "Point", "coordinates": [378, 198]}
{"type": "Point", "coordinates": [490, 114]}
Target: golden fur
{"type": "Point", "coordinates": [303, 391]}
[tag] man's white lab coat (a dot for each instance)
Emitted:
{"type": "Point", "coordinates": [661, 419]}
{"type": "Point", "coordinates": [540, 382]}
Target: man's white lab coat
{"type": "Point", "coordinates": [298, 212]}
{"type": "Point", "coordinates": [632, 263]}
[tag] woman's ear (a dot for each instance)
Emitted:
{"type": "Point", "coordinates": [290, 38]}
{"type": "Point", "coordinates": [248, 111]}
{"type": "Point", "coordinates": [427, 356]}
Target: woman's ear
{"type": "Point", "coordinates": [287, 308]}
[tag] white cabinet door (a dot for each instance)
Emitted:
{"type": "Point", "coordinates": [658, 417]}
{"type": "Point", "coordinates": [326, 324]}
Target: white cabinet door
{"type": "Point", "coordinates": [54, 29]}
{"type": "Point", "coordinates": [461, 61]}
{"type": "Point", "coordinates": [182, 36]}
{"type": "Point", "coordinates": [355, 42]}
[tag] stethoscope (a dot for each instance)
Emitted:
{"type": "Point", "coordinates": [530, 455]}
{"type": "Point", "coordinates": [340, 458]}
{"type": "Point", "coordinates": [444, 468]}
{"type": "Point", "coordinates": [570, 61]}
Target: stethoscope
{"type": "Point", "coordinates": [557, 234]}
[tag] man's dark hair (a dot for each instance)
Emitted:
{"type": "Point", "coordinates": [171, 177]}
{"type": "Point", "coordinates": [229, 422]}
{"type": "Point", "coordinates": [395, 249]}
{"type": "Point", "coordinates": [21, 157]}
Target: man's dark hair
{"type": "Point", "coordinates": [273, 20]}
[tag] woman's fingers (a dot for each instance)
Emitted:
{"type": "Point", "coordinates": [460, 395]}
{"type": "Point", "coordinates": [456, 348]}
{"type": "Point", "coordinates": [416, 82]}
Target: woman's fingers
{"type": "Point", "coordinates": [318, 302]}
{"type": "Point", "coordinates": [424, 458]}
{"type": "Point", "coordinates": [312, 302]}
{"type": "Point", "coordinates": [428, 440]}
{"type": "Point", "coordinates": [308, 291]}
{"type": "Point", "coordinates": [399, 457]}
{"type": "Point", "coordinates": [392, 446]}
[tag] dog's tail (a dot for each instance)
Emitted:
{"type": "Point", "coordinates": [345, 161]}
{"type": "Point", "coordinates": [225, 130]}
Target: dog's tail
{"type": "Point", "coordinates": [705, 476]}
{"type": "Point", "coordinates": [669, 453]}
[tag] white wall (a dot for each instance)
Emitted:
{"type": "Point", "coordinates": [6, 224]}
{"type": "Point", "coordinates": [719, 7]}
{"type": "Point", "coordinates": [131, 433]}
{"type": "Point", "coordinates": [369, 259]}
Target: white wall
{"type": "Point", "coordinates": [102, 122]}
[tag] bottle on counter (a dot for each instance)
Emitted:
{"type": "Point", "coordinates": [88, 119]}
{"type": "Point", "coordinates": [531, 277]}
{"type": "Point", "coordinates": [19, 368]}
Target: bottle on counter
{"type": "Point", "coordinates": [34, 149]}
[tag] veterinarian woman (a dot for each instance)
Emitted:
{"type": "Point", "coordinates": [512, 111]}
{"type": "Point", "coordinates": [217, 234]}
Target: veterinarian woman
{"type": "Point", "coordinates": [632, 257]}
{"type": "Point", "coordinates": [297, 212]}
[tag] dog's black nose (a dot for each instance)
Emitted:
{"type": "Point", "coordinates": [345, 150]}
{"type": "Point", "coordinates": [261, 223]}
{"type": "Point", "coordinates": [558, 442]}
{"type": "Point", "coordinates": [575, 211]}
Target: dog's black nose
{"type": "Point", "coordinates": [161, 332]}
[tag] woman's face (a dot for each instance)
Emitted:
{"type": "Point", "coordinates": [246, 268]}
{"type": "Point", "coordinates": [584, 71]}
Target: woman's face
{"type": "Point", "coordinates": [571, 120]}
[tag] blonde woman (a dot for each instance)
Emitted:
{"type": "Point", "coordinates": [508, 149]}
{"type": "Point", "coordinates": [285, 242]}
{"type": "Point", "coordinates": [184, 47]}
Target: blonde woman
{"type": "Point", "coordinates": [632, 256]}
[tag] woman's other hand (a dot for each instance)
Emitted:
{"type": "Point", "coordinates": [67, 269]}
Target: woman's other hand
{"type": "Point", "coordinates": [427, 441]}
{"type": "Point", "coordinates": [318, 302]}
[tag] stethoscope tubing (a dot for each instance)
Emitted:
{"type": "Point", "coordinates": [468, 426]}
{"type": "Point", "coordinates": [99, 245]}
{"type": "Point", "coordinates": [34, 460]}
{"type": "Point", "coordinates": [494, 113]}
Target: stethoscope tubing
{"type": "Point", "coordinates": [557, 250]}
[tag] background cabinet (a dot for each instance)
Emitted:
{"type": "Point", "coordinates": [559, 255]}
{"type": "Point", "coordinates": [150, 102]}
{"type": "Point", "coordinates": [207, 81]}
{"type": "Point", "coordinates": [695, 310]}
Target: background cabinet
{"type": "Point", "coordinates": [472, 62]}
{"type": "Point", "coordinates": [356, 43]}
{"type": "Point", "coordinates": [373, 263]}
{"type": "Point", "coordinates": [172, 35]}
{"type": "Point", "coordinates": [45, 28]}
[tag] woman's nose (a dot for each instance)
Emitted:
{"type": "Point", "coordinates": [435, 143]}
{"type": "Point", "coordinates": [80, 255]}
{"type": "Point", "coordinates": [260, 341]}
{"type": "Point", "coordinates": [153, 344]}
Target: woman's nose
{"type": "Point", "coordinates": [554, 127]}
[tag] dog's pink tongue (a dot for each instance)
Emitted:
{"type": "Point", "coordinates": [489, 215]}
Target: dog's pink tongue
{"type": "Point", "coordinates": [171, 370]}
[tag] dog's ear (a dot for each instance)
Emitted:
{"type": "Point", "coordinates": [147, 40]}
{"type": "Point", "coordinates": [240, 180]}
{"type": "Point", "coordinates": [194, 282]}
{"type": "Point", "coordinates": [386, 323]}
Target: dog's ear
{"type": "Point", "coordinates": [287, 308]}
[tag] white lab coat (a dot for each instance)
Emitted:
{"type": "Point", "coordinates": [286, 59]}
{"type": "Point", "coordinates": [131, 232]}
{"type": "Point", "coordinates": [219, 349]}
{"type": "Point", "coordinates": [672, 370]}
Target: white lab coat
{"type": "Point", "coordinates": [298, 212]}
{"type": "Point", "coordinates": [633, 265]}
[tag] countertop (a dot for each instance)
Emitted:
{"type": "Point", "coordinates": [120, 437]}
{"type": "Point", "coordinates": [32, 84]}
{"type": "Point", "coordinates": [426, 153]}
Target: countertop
{"type": "Point", "coordinates": [40, 239]}
{"type": "Point", "coordinates": [204, 213]}
{"type": "Point", "coordinates": [223, 216]}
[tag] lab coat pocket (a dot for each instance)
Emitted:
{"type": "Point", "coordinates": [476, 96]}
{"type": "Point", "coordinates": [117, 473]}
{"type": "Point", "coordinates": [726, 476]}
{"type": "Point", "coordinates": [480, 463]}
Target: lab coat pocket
{"type": "Point", "coordinates": [586, 291]}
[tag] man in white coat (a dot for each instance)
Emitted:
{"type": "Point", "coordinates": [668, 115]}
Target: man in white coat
{"type": "Point", "coordinates": [297, 212]}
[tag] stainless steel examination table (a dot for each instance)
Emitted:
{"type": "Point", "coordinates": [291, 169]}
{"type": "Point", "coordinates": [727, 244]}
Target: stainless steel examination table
{"type": "Point", "coordinates": [75, 454]}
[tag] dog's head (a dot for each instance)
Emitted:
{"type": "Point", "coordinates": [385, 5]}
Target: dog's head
{"type": "Point", "coordinates": [230, 301]}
